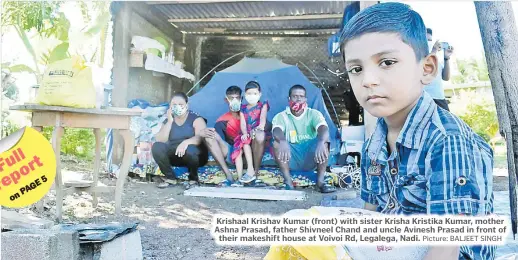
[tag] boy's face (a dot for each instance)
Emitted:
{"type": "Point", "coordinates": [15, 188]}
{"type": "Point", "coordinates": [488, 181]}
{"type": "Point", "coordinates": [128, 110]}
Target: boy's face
{"type": "Point", "coordinates": [385, 76]}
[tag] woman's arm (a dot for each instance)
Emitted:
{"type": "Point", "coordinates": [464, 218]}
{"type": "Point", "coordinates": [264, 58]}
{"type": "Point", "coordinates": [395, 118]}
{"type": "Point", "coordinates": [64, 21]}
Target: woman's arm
{"type": "Point", "coordinates": [243, 124]}
{"type": "Point", "coordinates": [264, 113]}
{"type": "Point", "coordinates": [199, 125]}
{"type": "Point", "coordinates": [163, 134]}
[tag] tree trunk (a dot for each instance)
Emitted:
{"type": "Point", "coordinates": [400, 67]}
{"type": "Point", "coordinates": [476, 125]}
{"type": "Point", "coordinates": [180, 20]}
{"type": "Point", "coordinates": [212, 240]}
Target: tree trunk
{"type": "Point", "coordinates": [500, 38]}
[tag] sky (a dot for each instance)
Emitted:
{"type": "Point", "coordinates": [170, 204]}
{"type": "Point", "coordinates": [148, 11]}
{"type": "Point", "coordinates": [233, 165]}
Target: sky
{"type": "Point", "coordinates": [454, 22]}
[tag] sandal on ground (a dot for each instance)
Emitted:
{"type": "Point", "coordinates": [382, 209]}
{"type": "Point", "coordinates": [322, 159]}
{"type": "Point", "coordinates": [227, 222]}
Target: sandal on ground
{"type": "Point", "coordinates": [258, 183]}
{"type": "Point", "coordinates": [247, 179]}
{"type": "Point", "coordinates": [237, 184]}
{"type": "Point", "coordinates": [166, 183]}
{"type": "Point", "coordinates": [225, 183]}
{"type": "Point", "coordinates": [327, 188]}
{"type": "Point", "coordinates": [190, 184]}
{"type": "Point", "coordinates": [285, 186]}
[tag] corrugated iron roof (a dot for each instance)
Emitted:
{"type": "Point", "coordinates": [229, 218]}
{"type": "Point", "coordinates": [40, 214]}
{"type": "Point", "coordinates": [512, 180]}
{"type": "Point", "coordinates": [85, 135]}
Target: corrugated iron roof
{"type": "Point", "coordinates": [264, 25]}
{"type": "Point", "coordinates": [246, 9]}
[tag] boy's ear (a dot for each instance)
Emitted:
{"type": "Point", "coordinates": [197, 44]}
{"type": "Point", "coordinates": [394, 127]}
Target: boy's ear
{"type": "Point", "coordinates": [430, 69]}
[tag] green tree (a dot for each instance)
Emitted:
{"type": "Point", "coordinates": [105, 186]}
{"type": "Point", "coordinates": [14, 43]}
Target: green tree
{"type": "Point", "coordinates": [45, 19]}
{"type": "Point", "coordinates": [471, 70]}
{"type": "Point", "coordinates": [479, 112]}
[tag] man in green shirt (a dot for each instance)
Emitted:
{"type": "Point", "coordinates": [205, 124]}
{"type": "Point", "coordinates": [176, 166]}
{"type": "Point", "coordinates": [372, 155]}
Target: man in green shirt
{"type": "Point", "coordinates": [301, 139]}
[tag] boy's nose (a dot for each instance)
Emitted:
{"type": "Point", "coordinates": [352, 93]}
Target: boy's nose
{"type": "Point", "coordinates": [370, 79]}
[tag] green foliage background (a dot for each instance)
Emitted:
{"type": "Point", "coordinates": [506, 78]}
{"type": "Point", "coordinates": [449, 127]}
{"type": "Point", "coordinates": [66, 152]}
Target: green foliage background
{"type": "Point", "coordinates": [75, 141]}
{"type": "Point", "coordinates": [479, 112]}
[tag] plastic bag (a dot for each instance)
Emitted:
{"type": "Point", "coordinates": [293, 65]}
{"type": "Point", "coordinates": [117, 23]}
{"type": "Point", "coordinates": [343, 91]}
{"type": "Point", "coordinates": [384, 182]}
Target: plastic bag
{"type": "Point", "coordinates": [68, 83]}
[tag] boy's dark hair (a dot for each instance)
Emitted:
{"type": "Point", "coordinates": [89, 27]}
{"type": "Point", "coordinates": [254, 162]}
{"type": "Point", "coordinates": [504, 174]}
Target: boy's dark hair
{"type": "Point", "coordinates": [253, 84]}
{"type": "Point", "coordinates": [234, 90]}
{"type": "Point", "coordinates": [429, 31]}
{"type": "Point", "coordinates": [296, 87]}
{"type": "Point", "coordinates": [182, 95]}
{"type": "Point", "coordinates": [389, 18]}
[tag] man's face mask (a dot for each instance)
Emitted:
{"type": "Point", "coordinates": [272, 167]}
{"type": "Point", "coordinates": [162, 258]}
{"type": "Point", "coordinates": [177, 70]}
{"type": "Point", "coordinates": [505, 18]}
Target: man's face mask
{"type": "Point", "coordinates": [234, 104]}
{"type": "Point", "coordinates": [179, 110]}
{"type": "Point", "coordinates": [298, 106]}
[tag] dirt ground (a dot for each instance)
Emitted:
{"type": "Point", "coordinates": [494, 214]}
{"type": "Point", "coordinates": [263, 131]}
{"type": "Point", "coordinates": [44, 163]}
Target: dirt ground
{"type": "Point", "coordinates": [173, 226]}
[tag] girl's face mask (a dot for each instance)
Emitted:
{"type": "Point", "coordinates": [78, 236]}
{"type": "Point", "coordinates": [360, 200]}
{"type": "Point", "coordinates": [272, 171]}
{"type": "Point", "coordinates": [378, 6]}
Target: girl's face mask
{"type": "Point", "coordinates": [234, 104]}
{"type": "Point", "coordinates": [179, 110]}
{"type": "Point", "coordinates": [252, 99]}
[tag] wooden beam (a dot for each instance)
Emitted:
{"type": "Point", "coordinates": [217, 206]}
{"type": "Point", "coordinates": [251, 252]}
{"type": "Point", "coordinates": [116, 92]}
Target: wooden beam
{"type": "Point", "coordinates": [197, 60]}
{"type": "Point", "coordinates": [266, 18]}
{"type": "Point", "coordinates": [121, 50]}
{"type": "Point", "coordinates": [158, 20]}
{"type": "Point", "coordinates": [261, 31]}
{"type": "Point", "coordinates": [195, 2]}
{"type": "Point", "coordinates": [279, 35]}
{"type": "Point", "coordinates": [267, 33]}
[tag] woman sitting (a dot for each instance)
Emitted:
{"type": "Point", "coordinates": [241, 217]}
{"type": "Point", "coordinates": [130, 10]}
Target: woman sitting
{"type": "Point", "coordinates": [178, 142]}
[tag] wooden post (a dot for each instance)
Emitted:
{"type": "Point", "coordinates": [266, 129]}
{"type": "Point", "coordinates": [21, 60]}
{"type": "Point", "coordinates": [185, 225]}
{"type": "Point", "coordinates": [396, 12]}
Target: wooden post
{"type": "Point", "coordinates": [121, 50]}
{"type": "Point", "coordinates": [197, 60]}
{"type": "Point", "coordinates": [500, 38]}
{"type": "Point", "coordinates": [368, 119]}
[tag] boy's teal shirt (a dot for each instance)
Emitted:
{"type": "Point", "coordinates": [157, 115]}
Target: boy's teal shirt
{"type": "Point", "coordinates": [440, 166]}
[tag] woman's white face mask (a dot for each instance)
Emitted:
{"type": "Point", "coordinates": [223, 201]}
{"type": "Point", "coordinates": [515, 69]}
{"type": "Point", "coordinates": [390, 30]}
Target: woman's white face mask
{"type": "Point", "coordinates": [179, 110]}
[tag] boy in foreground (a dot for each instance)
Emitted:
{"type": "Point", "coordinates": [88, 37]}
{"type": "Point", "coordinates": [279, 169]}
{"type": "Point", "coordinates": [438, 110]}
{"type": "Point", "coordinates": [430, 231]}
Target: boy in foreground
{"type": "Point", "coordinates": [421, 159]}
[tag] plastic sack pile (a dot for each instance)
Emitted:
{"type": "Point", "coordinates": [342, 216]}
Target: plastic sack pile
{"type": "Point", "coordinates": [73, 83]}
{"type": "Point", "coordinates": [144, 129]}
{"type": "Point", "coordinates": [68, 83]}
{"type": "Point", "coordinates": [146, 126]}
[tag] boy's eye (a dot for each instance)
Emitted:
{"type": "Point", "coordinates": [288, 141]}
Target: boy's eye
{"type": "Point", "coordinates": [386, 63]}
{"type": "Point", "coordinates": [355, 70]}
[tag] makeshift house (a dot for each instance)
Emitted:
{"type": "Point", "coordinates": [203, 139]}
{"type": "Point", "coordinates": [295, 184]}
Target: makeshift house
{"type": "Point", "coordinates": [208, 38]}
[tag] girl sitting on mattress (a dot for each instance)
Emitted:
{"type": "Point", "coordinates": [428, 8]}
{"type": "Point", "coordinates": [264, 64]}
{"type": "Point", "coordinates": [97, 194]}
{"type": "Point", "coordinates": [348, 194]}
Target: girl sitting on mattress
{"type": "Point", "coordinates": [253, 119]}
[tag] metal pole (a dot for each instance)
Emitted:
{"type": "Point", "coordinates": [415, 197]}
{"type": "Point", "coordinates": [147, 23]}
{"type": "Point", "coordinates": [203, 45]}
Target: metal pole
{"type": "Point", "coordinates": [220, 65]}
